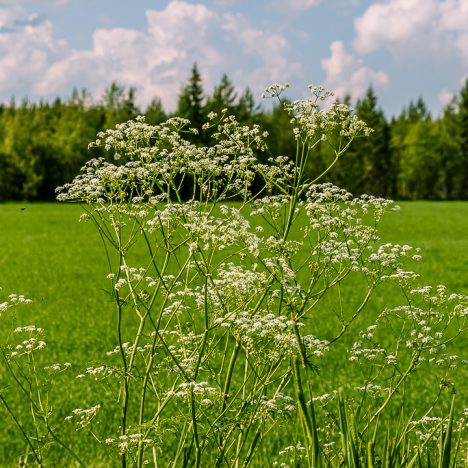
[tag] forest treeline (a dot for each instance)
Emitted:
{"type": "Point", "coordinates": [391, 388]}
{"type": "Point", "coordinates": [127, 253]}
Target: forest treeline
{"type": "Point", "coordinates": [412, 156]}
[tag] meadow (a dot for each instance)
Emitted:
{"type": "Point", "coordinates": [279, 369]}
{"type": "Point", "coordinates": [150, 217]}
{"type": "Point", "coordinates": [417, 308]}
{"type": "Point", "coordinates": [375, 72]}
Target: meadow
{"type": "Point", "coordinates": [286, 329]}
{"type": "Point", "coordinates": [58, 262]}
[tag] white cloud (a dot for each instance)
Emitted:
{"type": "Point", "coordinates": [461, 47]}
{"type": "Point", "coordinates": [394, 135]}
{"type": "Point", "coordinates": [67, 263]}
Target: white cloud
{"type": "Point", "coordinates": [27, 48]}
{"type": "Point", "coordinates": [454, 15]}
{"type": "Point", "coordinates": [444, 97]}
{"type": "Point", "coordinates": [392, 22]}
{"type": "Point", "coordinates": [157, 61]}
{"type": "Point", "coordinates": [348, 74]}
{"type": "Point", "coordinates": [401, 26]}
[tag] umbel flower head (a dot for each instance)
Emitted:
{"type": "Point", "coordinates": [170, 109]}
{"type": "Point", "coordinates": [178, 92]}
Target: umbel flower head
{"type": "Point", "coordinates": [152, 163]}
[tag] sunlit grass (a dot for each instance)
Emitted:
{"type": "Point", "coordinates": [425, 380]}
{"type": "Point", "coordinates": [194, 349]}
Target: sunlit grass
{"type": "Point", "coordinates": [49, 257]}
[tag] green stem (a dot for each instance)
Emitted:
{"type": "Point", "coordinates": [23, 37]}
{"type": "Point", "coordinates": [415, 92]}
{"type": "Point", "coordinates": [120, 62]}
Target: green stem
{"type": "Point", "coordinates": [18, 424]}
{"type": "Point", "coordinates": [307, 421]}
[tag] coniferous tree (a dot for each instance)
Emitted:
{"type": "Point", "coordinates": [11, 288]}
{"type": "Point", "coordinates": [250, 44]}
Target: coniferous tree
{"type": "Point", "coordinates": [191, 103]}
{"type": "Point", "coordinates": [277, 123]}
{"type": "Point", "coordinates": [119, 104]}
{"type": "Point", "coordinates": [223, 97]}
{"type": "Point", "coordinates": [426, 153]}
{"type": "Point", "coordinates": [155, 112]}
{"type": "Point", "coordinates": [247, 111]}
{"type": "Point", "coordinates": [44, 144]}
{"type": "Point", "coordinates": [376, 148]}
{"type": "Point", "coordinates": [399, 129]}
{"type": "Point", "coordinates": [417, 111]}
{"type": "Point", "coordinates": [368, 164]}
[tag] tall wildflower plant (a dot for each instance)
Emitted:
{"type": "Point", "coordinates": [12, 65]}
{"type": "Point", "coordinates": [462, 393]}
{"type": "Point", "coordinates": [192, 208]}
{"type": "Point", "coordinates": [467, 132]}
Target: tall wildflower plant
{"type": "Point", "coordinates": [217, 301]}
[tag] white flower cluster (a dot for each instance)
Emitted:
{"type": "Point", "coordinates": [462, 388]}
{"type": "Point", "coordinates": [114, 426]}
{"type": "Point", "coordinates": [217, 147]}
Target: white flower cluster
{"type": "Point", "coordinates": [428, 427]}
{"type": "Point", "coordinates": [373, 390]}
{"type": "Point", "coordinates": [148, 159]}
{"type": "Point", "coordinates": [278, 405]}
{"type": "Point", "coordinates": [270, 337]}
{"type": "Point", "coordinates": [13, 299]}
{"type": "Point", "coordinates": [343, 232]}
{"type": "Point", "coordinates": [57, 367]}
{"type": "Point", "coordinates": [28, 346]}
{"type": "Point", "coordinates": [312, 123]}
{"type": "Point", "coordinates": [236, 286]}
{"type": "Point", "coordinates": [126, 442]}
{"type": "Point", "coordinates": [83, 417]}
{"type": "Point", "coordinates": [200, 389]}
{"type": "Point", "coordinates": [421, 330]}
{"type": "Point", "coordinates": [97, 372]}
{"type": "Point", "coordinates": [290, 456]}
{"type": "Point", "coordinates": [220, 233]}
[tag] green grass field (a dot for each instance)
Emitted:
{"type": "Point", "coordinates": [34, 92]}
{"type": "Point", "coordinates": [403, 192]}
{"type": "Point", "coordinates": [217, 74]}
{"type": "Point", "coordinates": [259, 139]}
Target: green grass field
{"type": "Point", "coordinates": [48, 256]}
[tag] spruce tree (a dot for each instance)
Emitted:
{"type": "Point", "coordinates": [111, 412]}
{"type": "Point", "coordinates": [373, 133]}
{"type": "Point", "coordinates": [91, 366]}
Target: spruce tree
{"type": "Point", "coordinates": [369, 163]}
{"type": "Point", "coordinates": [191, 102]}
{"type": "Point", "coordinates": [224, 96]}
{"type": "Point", "coordinates": [246, 109]}
{"type": "Point", "coordinates": [119, 104]}
{"type": "Point", "coordinates": [155, 112]}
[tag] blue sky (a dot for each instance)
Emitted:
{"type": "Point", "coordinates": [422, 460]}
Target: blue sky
{"type": "Point", "coordinates": [404, 48]}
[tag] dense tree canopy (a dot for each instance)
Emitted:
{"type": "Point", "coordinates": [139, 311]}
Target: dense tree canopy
{"type": "Point", "coordinates": [413, 156]}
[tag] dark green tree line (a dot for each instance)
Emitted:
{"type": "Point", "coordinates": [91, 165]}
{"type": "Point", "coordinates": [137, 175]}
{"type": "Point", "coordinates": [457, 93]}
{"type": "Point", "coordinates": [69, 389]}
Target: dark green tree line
{"type": "Point", "coordinates": [412, 156]}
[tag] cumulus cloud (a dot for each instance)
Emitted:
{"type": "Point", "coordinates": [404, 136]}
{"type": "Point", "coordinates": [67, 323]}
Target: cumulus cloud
{"type": "Point", "coordinates": [392, 22]}
{"type": "Point", "coordinates": [347, 73]}
{"type": "Point", "coordinates": [27, 48]}
{"type": "Point", "coordinates": [404, 25]}
{"type": "Point", "coordinates": [157, 61]}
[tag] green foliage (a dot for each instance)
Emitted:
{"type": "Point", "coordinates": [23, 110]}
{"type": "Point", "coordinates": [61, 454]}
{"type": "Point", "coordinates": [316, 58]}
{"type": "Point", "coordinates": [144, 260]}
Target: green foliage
{"type": "Point", "coordinates": [413, 156]}
{"type": "Point", "coordinates": [230, 318]}
{"type": "Point", "coordinates": [190, 105]}
{"type": "Point", "coordinates": [368, 166]}
{"type": "Point", "coordinates": [119, 106]}
{"type": "Point", "coordinates": [155, 113]}
{"type": "Point", "coordinates": [224, 97]}
{"type": "Point", "coordinates": [463, 135]}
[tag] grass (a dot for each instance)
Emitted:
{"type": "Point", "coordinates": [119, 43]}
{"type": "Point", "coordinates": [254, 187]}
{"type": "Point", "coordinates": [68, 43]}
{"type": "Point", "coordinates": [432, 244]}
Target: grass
{"type": "Point", "coordinates": [49, 257]}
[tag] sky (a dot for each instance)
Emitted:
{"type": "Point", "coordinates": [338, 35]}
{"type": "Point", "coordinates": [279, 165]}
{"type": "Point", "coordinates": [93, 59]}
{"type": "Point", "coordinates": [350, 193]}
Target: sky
{"type": "Point", "coordinates": [403, 48]}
